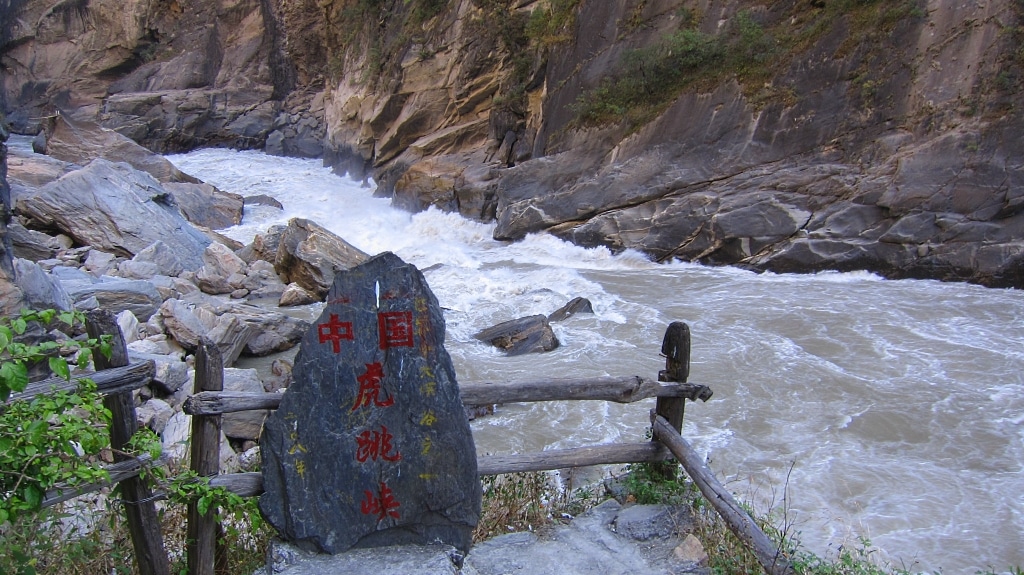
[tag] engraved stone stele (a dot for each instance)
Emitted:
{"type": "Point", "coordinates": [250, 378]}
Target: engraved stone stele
{"type": "Point", "coordinates": [370, 445]}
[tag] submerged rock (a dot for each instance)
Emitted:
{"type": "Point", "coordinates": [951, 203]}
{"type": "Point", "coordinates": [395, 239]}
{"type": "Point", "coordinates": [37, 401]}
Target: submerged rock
{"type": "Point", "coordinates": [519, 336]}
{"type": "Point", "coordinates": [576, 305]}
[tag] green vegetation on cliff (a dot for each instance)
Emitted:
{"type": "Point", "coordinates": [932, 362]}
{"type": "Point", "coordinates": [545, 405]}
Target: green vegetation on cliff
{"type": "Point", "coordinates": [754, 48]}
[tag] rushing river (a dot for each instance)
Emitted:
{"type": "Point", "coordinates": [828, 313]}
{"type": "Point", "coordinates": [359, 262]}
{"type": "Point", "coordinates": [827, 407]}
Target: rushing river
{"type": "Point", "coordinates": [891, 410]}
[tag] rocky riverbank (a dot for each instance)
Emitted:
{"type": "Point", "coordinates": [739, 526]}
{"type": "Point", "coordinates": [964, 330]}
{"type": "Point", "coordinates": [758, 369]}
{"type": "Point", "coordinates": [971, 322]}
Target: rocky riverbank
{"type": "Point", "coordinates": [102, 222]}
{"type": "Point", "coordinates": [796, 137]}
{"type": "Point", "coordinates": [608, 539]}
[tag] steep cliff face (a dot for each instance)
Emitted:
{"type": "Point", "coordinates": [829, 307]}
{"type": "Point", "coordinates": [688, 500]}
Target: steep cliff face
{"type": "Point", "coordinates": [798, 135]}
{"type": "Point", "coordinates": [171, 74]}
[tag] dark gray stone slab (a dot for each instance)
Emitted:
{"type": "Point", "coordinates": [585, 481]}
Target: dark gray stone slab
{"type": "Point", "coordinates": [371, 446]}
{"type": "Point", "coordinates": [576, 305]}
{"type": "Point", "coordinates": [523, 335]}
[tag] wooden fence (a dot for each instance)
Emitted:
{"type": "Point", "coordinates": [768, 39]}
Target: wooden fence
{"type": "Point", "coordinates": [117, 379]}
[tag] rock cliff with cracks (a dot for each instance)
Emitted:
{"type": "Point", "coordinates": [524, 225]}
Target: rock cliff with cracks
{"type": "Point", "coordinates": [801, 135]}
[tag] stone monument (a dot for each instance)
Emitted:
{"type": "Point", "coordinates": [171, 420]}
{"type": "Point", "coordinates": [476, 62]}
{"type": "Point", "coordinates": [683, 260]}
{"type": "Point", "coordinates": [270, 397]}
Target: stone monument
{"type": "Point", "coordinates": [371, 445]}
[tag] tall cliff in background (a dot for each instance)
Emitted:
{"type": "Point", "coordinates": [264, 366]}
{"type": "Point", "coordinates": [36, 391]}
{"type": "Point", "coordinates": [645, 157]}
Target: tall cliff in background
{"type": "Point", "coordinates": [798, 135]}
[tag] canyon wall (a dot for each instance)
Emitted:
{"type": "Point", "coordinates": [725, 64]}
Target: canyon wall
{"type": "Point", "coordinates": [800, 135]}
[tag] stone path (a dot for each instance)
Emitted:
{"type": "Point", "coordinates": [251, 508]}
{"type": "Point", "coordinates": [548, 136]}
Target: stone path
{"type": "Point", "coordinates": [607, 540]}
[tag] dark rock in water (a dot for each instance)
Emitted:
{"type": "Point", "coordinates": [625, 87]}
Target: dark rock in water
{"type": "Point", "coordinates": [576, 305]}
{"type": "Point", "coordinates": [519, 336]}
{"type": "Point", "coordinates": [262, 200]}
{"type": "Point", "coordinates": [370, 445]}
{"type": "Point", "coordinates": [475, 411]}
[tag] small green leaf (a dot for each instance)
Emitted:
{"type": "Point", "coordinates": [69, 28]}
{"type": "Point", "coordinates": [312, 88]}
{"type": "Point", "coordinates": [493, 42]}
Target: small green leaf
{"type": "Point", "coordinates": [14, 375]}
{"type": "Point", "coordinates": [84, 357]}
{"type": "Point", "coordinates": [106, 348]}
{"type": "Point", "coordinates": [19, 325]}
{"type": "Point", "coordinates": [59, 367]}
{"type": "Point", "coordinates": [33, 495]}
{"type": "Point", "coordinates": [203, 505]}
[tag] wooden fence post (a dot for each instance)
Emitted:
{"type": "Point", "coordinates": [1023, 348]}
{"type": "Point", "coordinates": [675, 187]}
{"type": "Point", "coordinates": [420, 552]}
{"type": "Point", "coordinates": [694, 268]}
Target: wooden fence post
{"type": "Point", "coordinates": [203, 529]}
{"type": "Point", "coordinates": [676, 349]}
{"type": "Point", "coordinates": [736, 518]}
{"type": "Point", "coordinates": [140, 510]}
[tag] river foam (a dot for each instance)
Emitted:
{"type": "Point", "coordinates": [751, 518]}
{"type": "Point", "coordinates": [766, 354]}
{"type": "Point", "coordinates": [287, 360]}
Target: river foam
{"type": "Point", "coordinates": [862, 407]}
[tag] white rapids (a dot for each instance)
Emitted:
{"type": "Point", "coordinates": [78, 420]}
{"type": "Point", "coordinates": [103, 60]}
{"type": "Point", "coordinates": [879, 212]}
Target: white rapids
{"type": "Point", "coordinates": [861, 407]}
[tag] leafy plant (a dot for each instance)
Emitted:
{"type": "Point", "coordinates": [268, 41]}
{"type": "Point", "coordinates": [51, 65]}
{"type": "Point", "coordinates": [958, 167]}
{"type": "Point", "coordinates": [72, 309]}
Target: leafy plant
{"type": "Point", "coordinates": [50, 439]}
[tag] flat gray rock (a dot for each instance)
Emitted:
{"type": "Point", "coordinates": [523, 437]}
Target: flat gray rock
{"type": "Point", "coordinates": [588, 545]}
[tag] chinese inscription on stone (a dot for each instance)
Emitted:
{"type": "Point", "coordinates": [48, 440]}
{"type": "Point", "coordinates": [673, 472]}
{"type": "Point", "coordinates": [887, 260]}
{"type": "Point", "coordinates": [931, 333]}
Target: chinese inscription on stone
{"type": "Point", "coordinates": [370, 445]}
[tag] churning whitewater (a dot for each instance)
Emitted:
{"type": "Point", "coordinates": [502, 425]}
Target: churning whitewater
{"type": "Point", "coordinates": [851, 405]}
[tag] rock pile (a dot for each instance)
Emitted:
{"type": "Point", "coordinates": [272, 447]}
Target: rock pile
{"type": "Point", "coordinates": [135, 236]}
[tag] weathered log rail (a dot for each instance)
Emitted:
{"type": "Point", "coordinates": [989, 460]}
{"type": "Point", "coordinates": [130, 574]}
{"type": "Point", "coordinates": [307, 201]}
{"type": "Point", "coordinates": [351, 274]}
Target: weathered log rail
{"type": "Point", "coordinates": [209, 403]}
{"type": "Point", "coordinates": [116, 378]}
{"type": "Point", "coordinates": [618, 390]}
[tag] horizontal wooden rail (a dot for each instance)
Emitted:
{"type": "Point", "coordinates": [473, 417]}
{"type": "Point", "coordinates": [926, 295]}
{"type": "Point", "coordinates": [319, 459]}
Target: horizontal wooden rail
{"type": "Point", "coordinates": [108, 381]}
{"type": "Point", "coordinates": [735, 517]}
{"type": "Point", "coordinates": [244, 484]}
{"type": "Point", "coordinates": [575, 457]}
{"type": "Point", "coordinates": [117, 472]}
{"type": "Point", "coordinates": [221, 402]}
{"type": "Point", "coordinates": [619, 390]}
{"type": "Point", "coordinates": [251, 484]}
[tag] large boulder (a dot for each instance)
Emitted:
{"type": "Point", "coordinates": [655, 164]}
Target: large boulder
{"type": "Point", "coordinates": [157, 259]}
{"type": "Point", "coordinates": [114, 208]}
{"type": "Point", "coordinates": [205, 205]}
{"type": "Point", "coordinates": [373, 418]}
{"type": "Point", "coordinates": [114, 294]}
{"type": "Point", "coordinates": [234, 327]}
{"type": "Point", "coordinates": [310, 255]}
{"type": "Point", "coordinates": [41, 290]}
{"type": "Point", "coordinates": [34, 246]}
{"type": "Point", "coordinates": [82, 141]}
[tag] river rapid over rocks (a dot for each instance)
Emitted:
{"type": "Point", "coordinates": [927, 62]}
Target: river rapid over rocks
{"type": "Point", "coordinates": [853, 406]}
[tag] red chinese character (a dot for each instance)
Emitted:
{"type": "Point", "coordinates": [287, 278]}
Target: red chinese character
{"type": "Point", "coordinates": [369, 387]}
{"type": "Point", "coordinates": [374, 444]}
{"type": "Point", "coordinates": [380, 505]}
{"type": "Point", "coordinates": [395, 329]}
{"type": "Point", "coordinates": [334, 331]}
